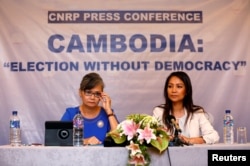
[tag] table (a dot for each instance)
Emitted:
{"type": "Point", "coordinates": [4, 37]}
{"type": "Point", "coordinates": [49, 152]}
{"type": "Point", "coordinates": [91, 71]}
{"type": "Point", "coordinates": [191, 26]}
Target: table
{"type": "Point", "coordinates": [105, 156]}
{"type": "Point", "coordinates": [67, 156]}
{"type": "Point", "coordinates": [197, 155]}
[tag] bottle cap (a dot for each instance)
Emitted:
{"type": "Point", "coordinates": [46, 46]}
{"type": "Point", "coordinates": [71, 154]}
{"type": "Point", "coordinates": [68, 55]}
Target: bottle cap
{"type": "Point", "coordinates": [14, 112]}
{"type": "Point", "coordinates": [228, 111]}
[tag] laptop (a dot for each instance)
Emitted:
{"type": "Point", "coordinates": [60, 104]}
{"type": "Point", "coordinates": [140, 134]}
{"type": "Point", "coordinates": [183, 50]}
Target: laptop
{"type": "Point", "coordinates": [58, 133]}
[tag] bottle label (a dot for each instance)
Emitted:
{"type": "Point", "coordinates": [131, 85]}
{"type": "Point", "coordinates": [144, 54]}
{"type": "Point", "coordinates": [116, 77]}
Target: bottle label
{"type": "Point", "coordinates": [228, 122]}
{"type": "Point", "coordinates": [14, 124]}
{"type": "Point", "coordinates": [78, 123]}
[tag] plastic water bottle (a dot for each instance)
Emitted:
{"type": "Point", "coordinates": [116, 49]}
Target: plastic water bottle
{"type": "Point", "coordinates": [228, 128]}
{"type": "Point", "coordinates": [15, 131]}
{"type": "Point", "coordinates": [78, 127]}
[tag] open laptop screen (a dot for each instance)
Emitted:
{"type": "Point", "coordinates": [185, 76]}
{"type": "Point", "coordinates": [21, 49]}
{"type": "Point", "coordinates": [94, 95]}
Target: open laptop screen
{"type": "Point", "coordinates": [58, 133]}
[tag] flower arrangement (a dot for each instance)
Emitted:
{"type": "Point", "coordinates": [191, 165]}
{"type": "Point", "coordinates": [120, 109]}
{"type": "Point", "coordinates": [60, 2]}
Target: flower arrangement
{"type": "Point", "coordinates": [140, 131]}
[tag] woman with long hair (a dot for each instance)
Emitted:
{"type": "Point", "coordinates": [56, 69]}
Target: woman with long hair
{"type": "Point", "coordinates": [191, 119]}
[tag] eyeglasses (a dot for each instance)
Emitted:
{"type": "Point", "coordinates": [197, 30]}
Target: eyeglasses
{"type": "Point", "coordinates": [89, 93]}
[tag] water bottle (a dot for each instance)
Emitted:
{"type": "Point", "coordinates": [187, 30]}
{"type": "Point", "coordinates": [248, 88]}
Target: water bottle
{"type": "Point", "coordinates": [15, 131]}
{"type": "Point", "coordinates": [78, 130]}
{"type": "Point", "coordinates": [228, 128]}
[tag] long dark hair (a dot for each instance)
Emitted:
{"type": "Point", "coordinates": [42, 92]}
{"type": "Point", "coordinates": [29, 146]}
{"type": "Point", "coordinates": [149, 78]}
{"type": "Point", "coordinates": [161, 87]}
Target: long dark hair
{"type": "Point", "coordinates": [187, 101]}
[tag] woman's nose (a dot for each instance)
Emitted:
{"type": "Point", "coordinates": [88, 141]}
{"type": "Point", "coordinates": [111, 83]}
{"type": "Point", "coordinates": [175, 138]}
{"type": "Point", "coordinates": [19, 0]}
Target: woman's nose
{"type": "Point", "coordinates": [174, 89]}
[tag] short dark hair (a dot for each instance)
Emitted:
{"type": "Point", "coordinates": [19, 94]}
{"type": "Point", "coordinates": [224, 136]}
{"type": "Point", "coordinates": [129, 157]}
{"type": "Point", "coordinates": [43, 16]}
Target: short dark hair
{"type": "Point", "coordinates": [91, 80]}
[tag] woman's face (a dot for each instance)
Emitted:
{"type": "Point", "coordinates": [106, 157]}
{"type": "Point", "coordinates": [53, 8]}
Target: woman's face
{"type": "Point", "coordinates": [91, 97]}
{"type": "Point", "coordinates": [176, 89]}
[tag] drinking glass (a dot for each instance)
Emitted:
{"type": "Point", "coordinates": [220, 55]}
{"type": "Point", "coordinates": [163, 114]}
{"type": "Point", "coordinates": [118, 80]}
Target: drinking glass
{"type": "Point", "coordinates": [241, 135]}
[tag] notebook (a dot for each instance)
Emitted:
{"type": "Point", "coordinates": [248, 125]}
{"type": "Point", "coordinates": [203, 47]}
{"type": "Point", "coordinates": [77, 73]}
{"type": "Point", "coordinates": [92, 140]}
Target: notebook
{"type": "Point", "coordinates": [58, 133]}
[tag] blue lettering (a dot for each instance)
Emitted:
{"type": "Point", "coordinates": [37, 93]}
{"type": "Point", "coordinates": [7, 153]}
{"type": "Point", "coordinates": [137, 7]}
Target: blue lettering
{"type": "Point", "coordinates": [105, 65]}
{"type": "Point", "coordinates": [89, 65]}
{"type": "Point", "coordinates": [75, 39]}
{"type": "Point", "coordinates": [121, 43]}
{"type": "Point", "coordinates": [197, 65]}
{"type": "Point", "coordinates": [235, 64]}
{"type": "Point", "coordinates": [168, 66]}
{"type": "Point", "coordinates": [51, 46]}
{"type": "Point", "coordinates": [114, 65]}
{"type": "Point", "coordinates": [125, 66]}
{"type": "Point", "coordinates": [143, 41]}
{"type": "Point", "coordinates": [189, 65]}
{"type": "Point", "coordinates": [178, 65]}
{"type": "Point", "coordinates": [186, 43]}
{"type": "Point", "coordinates": [217, 66]}
{"type": "Point", "coordinates": [31, 66]}
{"type": "Point", "coordinates": [41, 66]}
{"type": "Point", "coordinates": [172, 43]}
{"type": "Point", "coordinates": [225, 67]}
{"type": "Point", "coordinates": [145, 64]}
{"type": "Point", "coordinates": [158, 65]}
{"type": "Point", "coordinates": [154, 39]}
{"type": "Point", "coordinates": [102, 43]}
{"type": "Point", "coordinates": [13, 66]}
{"type": "Point", "coordinates": [208, 65]}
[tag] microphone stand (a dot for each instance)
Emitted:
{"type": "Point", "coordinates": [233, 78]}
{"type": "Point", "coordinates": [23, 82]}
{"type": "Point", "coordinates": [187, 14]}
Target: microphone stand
{"type": "Point", "coordinates": [177, 141]}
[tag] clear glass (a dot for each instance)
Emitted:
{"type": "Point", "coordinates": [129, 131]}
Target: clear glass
{"type": "Point", "coordinates": [241, 135]}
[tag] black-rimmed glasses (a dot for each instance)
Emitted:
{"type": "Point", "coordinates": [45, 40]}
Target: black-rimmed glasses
{"type": "Point", "coordinates": [90, 93]}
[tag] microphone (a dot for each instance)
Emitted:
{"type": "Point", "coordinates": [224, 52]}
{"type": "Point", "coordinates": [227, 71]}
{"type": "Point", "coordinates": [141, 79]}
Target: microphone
{"type": "Point", "coordinates": [171, 119]}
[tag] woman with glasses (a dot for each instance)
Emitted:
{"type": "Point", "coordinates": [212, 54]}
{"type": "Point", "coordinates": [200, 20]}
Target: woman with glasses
{"type": "Point", "coordinates": [186, 123]}
{"type": "Point", "coordinates": [98, 120]}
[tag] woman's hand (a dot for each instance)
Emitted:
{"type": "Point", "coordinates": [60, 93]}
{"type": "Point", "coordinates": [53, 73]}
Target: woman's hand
{"type": "Point", "coordinates": [193, 140]}
{"type": "Point", "coordinates": [184, 139]}
{"type": "Point", "coordinates": [106, 103]}
{"type": "Point", "coordinates": [91, 141]}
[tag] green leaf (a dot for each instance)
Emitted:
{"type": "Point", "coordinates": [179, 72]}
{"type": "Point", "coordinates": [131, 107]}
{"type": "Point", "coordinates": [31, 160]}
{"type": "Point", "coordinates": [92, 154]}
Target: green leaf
{"type": "Point", "coordinates": [116, 137]}
{"type": "Point", "coordinates": [161, 142]}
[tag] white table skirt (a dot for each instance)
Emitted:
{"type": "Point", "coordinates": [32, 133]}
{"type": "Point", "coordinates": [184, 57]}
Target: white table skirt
{"type": "Point", "coordinates": [105, 156]}
{"type": "Point", "coordinates": [67, 156]}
